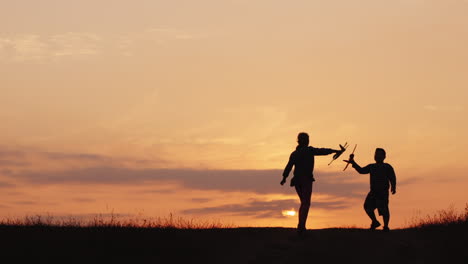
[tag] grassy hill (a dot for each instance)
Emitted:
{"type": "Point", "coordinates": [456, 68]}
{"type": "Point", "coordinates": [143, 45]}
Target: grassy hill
{"type": "Point", "coordinates": [442, 238]}
{"type": "Point", "coordinates": [442, 244]}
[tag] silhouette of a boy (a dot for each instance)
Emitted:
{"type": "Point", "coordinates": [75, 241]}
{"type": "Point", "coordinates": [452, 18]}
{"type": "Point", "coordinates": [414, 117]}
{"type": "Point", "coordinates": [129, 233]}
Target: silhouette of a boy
{"type": "Point", "coordinates": [303, 161]}
{"type": "Point", "coordinates": [382, 176]}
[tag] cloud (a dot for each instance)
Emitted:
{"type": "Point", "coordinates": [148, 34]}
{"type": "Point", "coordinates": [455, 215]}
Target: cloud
{"type": "Point", "coordinates": [74, 156]}
{"type": "Point", "coordinates": [84, 200]}
{"type": "Point", "coordinates": [6, 185]}
{"type": "Point", "coordinates": [40, 47]}
{"type": "Point", "coordinates": [201, 200]}
{"type": "Point", "coordinates": [75, 44]}
{"type": "Point", "coordinates": [33, 47]}
{"type": "Point", "coordinates": [10, 158]}
{"type": "Point", "coordinates": [24, 157]}
{"type": "Point", "coordinates": [263, 209]}
{"type": "Point", "coordinates": [5, 153]}
{"type": "Point", "coordinates": [22, 46]}
{"type": "Point", "coordinates": [13, 163]}
{"type": "Point", "coordinates": [158, 191]}
{"type": "Point", "coordinates": [28, 47]}
{"type": "Point", "coordinates": [97, 169]}
{"type": "Point", "coordinates": [256, 181]}
{"type": "Point", "coordinates": [25, 203]}
{"type": "Point", "coordinates": [98, 215]}
{"type": "Point", "coordinates": [87, 217]}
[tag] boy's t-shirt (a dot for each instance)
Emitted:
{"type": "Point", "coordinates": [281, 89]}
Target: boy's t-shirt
{"type": "Point", "coordinates": [381, 176]}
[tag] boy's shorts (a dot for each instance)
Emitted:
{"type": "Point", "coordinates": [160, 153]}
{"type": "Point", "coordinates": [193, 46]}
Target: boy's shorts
{"type": "Point", "coordinates": [377, 201]}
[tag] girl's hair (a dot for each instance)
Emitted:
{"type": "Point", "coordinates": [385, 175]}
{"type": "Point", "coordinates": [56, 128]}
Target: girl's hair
{"type": "Point", "coordinates": [303, 138]}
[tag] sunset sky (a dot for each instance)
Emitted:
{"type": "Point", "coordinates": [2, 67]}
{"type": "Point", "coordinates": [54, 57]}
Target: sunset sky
{"type": "Point", "coordinates": [145, 108]}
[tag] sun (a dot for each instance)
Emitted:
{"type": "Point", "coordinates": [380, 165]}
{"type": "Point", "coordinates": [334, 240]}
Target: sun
{"type": "Point", "coordinates": [289, 212]}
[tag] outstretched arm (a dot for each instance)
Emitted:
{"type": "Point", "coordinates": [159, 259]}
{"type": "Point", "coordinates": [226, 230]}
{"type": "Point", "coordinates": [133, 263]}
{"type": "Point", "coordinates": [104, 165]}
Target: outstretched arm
{"type": "Point", "coordinates": [288, 168]}
{"type": "Point", "coordinates": [356, 166]}
{"type": "Point", "coordinates": [324, 151]}
{"type": "Point", "coordinates": [365, 170]}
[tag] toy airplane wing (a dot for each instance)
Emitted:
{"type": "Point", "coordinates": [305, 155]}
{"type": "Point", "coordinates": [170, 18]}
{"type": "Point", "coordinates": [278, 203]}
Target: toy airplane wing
{"type": "Point", "coordinates": [337, 155]}
{"type": "Point", "coordinates": [347, 164]}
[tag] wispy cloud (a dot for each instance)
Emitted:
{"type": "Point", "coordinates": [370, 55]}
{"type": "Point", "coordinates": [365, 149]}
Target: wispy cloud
{"type": "Point", "coordinates": [253, 181]}
{"type": "Point", "coordinates": [14, 163]}
{"type": "Point", "coordinates": [26, 47]}
{"type": "Point", "coordinates": [6, 185]}
{"type": "Point", "coordinates": [34, 47]}
{"type": "Point", "coordinates": [75, 44]}
{"type": "Point", "coordinates": [75, 156]}
{"type": "Point", "coordinates": [90, 216]}
{"type": "Point", "coordinates": [83, 200]}
{"type": "Point", "coordinates": [26, 158]}
{"type": "Point", "coordinates": [129, 44]}
{"type": "Point", "coordinates": [201, 200]}
{"type": "Point", "coordinates": [25, 203]}
{"type": "Point", "coordinates": [263, 209]}
{"type": "Point", "coordinates": [39, 47]}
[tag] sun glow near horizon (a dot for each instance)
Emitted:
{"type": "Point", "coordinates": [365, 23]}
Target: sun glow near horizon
{"type": "Point", "coordinates": [291, 212]}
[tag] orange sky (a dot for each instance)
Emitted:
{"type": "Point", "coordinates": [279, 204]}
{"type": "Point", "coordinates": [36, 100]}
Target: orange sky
{"type": "Point", "coordinates": [192, 107]}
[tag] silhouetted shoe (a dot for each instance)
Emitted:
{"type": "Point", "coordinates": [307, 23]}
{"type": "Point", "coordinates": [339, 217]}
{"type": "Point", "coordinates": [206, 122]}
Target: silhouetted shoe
{"type": "Point", "coordinates": [386, 229]}
{"type": "Point", "coordinates": [374, 225]}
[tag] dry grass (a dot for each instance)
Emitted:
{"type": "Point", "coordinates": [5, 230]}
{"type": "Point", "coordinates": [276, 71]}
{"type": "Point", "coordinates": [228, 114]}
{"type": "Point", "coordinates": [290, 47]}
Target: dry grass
{"type": "Point", "coordinates": [445, 217]}
{"type": "Point", "coordinates": [114, 221]}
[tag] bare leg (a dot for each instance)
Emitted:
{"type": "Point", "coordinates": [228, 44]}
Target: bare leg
{"type": "Point", "coordinates": [370, 212]}
{"type": "Point", "coordinates": [384, 212]}
{"type": "Point", "coordinates": [304, 191]}
{"type": "Point", "coordinates": [386, 217]}
{"type": "Point", "coordinates": [369, 208]}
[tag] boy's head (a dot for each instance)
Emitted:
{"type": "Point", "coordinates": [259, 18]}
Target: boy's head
{"type": "Point", "coordinates": [380, 155]}
{"type": "Point", "coordinates": [303, 139]}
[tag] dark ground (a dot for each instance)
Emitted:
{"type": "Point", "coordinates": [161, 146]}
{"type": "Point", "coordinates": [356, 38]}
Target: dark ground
{"type": "Point", "coordinates": [36, 244]}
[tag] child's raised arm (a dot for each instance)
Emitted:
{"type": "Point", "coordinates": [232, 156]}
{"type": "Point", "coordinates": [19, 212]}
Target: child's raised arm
{"type": "Point", "coordinates": [356, 166]}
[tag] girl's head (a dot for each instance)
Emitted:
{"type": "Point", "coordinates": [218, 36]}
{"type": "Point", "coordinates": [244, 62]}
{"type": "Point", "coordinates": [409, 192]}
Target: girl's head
{"type": "Point", "coordinates": [303, 139]}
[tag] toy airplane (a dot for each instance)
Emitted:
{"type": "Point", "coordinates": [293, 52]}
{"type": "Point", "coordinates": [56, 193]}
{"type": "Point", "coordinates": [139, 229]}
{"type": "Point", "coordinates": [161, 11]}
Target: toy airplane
{"type": "Point", "coordinates": [347, 164]}
{"type": "Point", "coordinates": [337, 155]}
